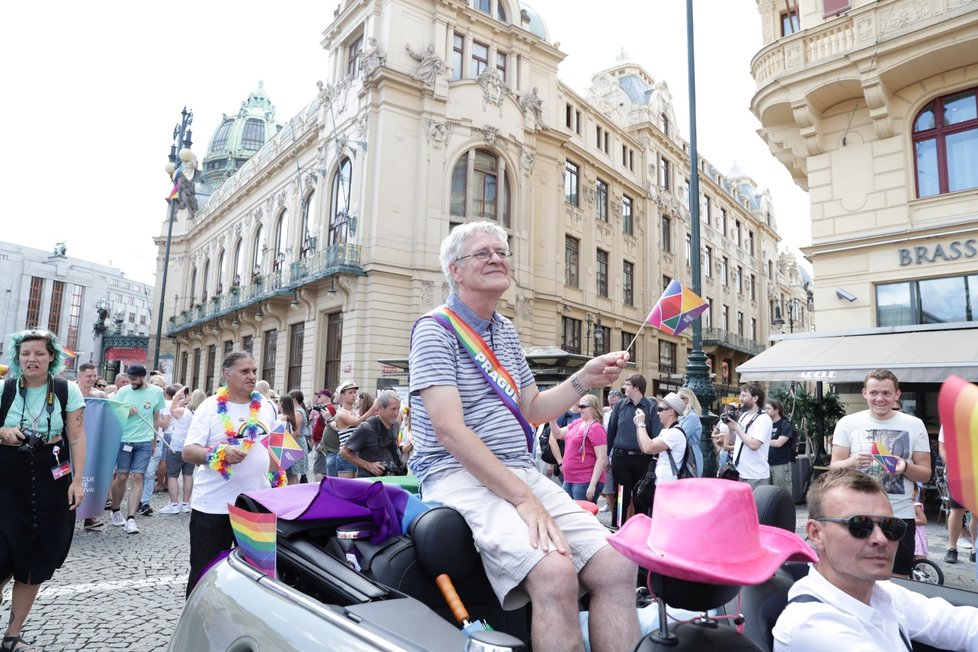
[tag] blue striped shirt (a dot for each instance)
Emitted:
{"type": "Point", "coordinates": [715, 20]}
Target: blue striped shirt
{"type": "Point", "coordinates": [438, 359]}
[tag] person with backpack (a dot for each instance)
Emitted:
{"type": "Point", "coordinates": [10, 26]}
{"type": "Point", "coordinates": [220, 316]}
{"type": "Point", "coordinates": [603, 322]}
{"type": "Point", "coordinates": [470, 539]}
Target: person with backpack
{"type": "Point", "coordinates": [676, 463]}
{"type": "Point", "coordinates": [784, 442]}
{"type": "Point", "coordinates": [41, 460]}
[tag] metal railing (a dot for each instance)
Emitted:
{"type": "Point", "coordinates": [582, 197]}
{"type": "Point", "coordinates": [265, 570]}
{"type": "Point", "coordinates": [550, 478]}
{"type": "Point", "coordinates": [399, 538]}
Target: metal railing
{"type": "Point", "coordinates": [720, 337]}
{"type": "Point", "coordinates": [335, 259]}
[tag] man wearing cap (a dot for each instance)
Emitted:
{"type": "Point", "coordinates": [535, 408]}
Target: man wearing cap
{"type": "Point", "coordinates": [138, 443]}
{"type": "Point", "coordinates": [472, 399]}
{"type": "Point", "coordinates": [898, 438]}
{"type": "Point", "coordinates": [347, 420]}
{"type": "Point", "coordinates": [753, 437]}
{"type": "Point", "coordinates": [847, 600]}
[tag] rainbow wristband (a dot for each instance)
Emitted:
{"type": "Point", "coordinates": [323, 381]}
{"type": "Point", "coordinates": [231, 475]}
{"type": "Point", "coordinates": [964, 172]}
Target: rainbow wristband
{"type": "Point", "coordinates": [217, 460]}
{"type": "Point", "coordinates": [277, 478]}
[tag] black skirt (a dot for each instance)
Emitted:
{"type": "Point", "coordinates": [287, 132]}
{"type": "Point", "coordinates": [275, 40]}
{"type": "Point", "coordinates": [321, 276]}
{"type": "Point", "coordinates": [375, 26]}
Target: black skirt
{"type": "Point", "coordinates": [36, 526]}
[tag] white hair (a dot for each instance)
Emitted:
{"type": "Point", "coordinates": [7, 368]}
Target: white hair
{"type": "Point", "coordinates": [451, 246]}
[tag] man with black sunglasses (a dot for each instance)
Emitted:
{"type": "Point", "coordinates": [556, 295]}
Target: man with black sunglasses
{"type": "Point", "coordinates": [846, 599]}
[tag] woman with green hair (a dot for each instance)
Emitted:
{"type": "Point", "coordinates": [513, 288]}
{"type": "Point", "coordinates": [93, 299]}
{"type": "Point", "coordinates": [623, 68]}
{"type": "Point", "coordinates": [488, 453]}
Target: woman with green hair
{"type": "Point", "coordinates": [42, 455]}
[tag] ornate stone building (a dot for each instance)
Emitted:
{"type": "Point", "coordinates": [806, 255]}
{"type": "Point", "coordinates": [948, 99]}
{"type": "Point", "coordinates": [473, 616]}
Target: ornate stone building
{"type": "Point", "coordinates": [320, 252]}
{"type": "Point", "coordinates": [873, 108]}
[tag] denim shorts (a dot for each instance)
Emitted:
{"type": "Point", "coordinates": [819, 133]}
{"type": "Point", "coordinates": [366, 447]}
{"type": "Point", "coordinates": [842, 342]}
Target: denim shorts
{"type": "Point", "coordinates": [175, 466]}
{"type": "Point", "coordinates": [135, 460]}
{"type": "Point", "coordinates": [343, 465]}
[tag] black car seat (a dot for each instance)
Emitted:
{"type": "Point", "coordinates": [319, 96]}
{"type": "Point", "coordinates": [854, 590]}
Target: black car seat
{"type": "Point", "coordinates": [440, 541]}
{"type": "Point", "coordinates": [763, 603]}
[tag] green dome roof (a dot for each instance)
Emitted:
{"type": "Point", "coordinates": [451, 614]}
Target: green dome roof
{"type": "Point", "coordinates": [239, 136]}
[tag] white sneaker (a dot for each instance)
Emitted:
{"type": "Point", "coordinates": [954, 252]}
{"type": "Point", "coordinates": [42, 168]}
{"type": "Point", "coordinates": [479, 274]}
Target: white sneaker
{"type": "Point", "coordinates": [118, 519]}
{"type": "Point", "coordinates": [185, 508]}
{"type": "Point", "coordinates": [964, 543]}
{"type": "Point", "coordinates": [131, 527]}
{"type": "Point", "coordinates": [172, 508]}
{"type": "Point", "coordinates": [603, 507]}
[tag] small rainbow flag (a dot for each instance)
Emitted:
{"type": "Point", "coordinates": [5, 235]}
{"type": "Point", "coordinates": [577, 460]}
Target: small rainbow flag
{"type": "Point", "coordinates": [283, 447]}
{"type": "Point", "coordinates": [882, 455]}
{"type": "Point", "coordinates": [71, 355]}
{"type": "Point", "coordinates": [255, 534]}
{"type": "Point", "coordinates": [957, 405]}
{"type": "Point", "coordinates": [176, 189]}
{"type": "Point", "coordinates": [676, 309]}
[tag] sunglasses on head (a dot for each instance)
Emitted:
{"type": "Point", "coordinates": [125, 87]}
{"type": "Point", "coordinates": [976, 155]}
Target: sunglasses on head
{"type": "Point", "coordinates": [862, 526]}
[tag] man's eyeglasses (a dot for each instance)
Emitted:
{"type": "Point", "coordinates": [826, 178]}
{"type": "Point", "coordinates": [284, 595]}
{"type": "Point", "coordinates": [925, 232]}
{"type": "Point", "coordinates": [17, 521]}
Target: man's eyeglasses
{"type": "Point", "coordinates": [484, 255]}
{"type": "Point", "coordinates": [862, 526]}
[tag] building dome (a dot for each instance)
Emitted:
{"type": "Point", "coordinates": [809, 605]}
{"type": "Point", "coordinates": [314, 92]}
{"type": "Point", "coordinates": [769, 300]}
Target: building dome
{"type": "Point", "coordinates": [532, 22]}
{"type": "Point", "coordinates": [239, 136]}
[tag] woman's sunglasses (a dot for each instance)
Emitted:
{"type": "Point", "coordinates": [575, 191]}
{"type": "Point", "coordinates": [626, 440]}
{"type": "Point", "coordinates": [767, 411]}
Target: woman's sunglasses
{"type": "Point", "coordinates": [862, 526]}
{"type": "Point", "coordinates": [100, 386]}
{"type": "Point", "coordinates": [583, 405]}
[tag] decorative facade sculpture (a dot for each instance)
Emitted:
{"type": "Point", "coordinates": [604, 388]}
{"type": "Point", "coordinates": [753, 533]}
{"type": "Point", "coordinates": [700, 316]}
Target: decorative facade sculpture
{"type": "Point", "coordinates": [430, 65]}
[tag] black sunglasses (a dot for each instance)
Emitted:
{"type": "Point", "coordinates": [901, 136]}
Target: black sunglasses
{"type": "Point", "coordinates": [662, 409]}
{"type": "Point", "coordinates": [100, 385]}
{"type": "Point", "coordinates": [862, 526]}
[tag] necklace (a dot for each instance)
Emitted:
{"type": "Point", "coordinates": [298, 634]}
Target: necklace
{"type": "Point", "coordinates": [217, 455]}
{"type": "Point", "coordinates": [251, 426]}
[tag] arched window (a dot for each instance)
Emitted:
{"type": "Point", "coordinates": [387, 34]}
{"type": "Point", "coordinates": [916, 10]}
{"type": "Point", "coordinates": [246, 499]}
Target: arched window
{"type": "Point", "coordinates": [306, 234]}
{"type": "Point", "coordinates": [480, 187]}
{"type": "Point", "coordinates": [193, 286]}
{"type": "Point", "coordinates": [281, 240]}
{"type": "Point", "coordinates": [203, 280]}
{"type": "Point", "coordinates": [486, 6]}
{"type": "Point", "coordinates": [945, 141]}
{"type": "Point", "coordinates": [253, 136]}
{"type": "Point", "coordinates": [340, 202]}
{"type": "Point", "coordinates": [236, 263]}
{"type": "Point", "coordinates": [258, 255]}
{"type": "Point", "coordinates": [220, 272]}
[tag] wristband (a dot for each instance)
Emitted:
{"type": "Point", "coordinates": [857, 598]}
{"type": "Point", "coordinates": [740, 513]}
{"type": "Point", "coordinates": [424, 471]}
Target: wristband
{"type": "Point", "coordinates": [216, 459]}
{"type": "Point", "coordinates": [578, 387]}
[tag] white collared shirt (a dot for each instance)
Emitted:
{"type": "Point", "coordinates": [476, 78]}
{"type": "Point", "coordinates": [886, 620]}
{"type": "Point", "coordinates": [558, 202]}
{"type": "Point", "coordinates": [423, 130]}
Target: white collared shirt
{"type": "Point", "coordinates": [845, 623]}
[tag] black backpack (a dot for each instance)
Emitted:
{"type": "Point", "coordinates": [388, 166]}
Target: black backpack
{"type": "Point", "coordinates": [60, 391]}
{"type": "Point", "coordinates": [644, 491]}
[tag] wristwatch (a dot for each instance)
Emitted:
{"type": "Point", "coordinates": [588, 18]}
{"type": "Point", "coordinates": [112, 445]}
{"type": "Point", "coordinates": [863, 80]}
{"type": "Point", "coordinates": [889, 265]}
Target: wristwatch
{"type": "Point", "coordinates": [578, 387]}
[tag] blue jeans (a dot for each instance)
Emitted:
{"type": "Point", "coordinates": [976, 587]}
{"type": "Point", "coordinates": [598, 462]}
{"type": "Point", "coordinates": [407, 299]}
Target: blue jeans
{"type": "Point", "coordinates": [578, 490]}
{"type": "Point", "coordinates": [154, 466]}
{"type": "Point", "coordinates": [342, 465]}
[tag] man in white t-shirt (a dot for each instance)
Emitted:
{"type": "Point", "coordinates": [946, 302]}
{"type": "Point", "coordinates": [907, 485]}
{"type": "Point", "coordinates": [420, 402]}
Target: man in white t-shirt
{"type": "Point", "coordinates": [894, 434]}
{"type": "Point", "coordinates": [753, 437]}
{"type": "Point", "coordinates": [210, 528]}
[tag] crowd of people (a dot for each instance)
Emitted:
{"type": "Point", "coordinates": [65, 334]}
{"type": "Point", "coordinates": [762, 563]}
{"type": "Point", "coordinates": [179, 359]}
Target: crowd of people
{"type": "Point", "coordinates": [467, 437]}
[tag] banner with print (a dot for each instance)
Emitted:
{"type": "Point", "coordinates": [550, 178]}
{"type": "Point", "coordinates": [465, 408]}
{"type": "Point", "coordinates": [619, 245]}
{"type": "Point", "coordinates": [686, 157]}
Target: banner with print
{"type": "Point", "coordinates": [104, 422]}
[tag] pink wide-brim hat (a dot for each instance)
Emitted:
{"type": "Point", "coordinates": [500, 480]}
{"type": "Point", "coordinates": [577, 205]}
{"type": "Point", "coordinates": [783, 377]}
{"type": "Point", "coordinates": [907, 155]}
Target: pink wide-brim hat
{"type": "Point", "coordinates": [706, 530]}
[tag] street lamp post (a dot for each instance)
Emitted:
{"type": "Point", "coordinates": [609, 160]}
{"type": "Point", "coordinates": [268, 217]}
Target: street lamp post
{"type": "Point", "coordinates": [697, 372]}
{"type": "Point", "coordinates": [181, 136]}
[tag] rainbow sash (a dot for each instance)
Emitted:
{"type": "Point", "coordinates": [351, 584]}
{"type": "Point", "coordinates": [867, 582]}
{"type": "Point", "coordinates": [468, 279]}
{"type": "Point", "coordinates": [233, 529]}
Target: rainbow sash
{"type": "Point", "coordinates": [492, 370]}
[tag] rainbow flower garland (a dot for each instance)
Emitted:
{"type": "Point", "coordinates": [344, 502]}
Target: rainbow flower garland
{"type": "Point", "coordinates": [217, 455]}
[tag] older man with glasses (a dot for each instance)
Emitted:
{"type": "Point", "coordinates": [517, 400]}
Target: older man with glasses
{"type": "Point", "coordinates": [473, 398]}
{"type": "Point", "coordinates": [847, 600]}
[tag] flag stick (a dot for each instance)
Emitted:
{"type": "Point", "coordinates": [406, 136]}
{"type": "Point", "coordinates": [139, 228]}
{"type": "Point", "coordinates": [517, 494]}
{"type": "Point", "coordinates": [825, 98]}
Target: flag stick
{"type": "Point", "coordinates": [628, 348]}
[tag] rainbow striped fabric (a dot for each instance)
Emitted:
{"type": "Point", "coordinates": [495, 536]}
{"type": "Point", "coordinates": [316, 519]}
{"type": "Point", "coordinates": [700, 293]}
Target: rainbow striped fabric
{"type": "Point", "coordinates": [957, 405]}
{"type": "Point", "coordinates": [255, 534]}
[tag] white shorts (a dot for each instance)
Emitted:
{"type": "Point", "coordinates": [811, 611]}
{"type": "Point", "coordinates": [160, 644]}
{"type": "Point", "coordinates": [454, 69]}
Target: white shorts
{"type": "Point", "coordinates": [501, 535]}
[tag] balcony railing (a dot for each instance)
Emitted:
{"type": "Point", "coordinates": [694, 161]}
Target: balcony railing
{"type": "Point", "coordinates": [863, 27]}
{"type": "Point", "coordinates": [720, 337]}
{"type": "Point", "coordinates": [335, 259]}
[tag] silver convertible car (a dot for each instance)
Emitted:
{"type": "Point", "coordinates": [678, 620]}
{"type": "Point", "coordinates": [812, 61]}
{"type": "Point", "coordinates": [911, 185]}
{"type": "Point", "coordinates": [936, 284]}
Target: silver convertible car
{"type": "Point", "coordinates": [356, 569]}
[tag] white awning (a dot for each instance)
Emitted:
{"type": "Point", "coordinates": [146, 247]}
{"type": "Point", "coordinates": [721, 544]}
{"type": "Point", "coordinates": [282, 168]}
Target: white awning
{"type": "Point", "coordinates": [925, 355]}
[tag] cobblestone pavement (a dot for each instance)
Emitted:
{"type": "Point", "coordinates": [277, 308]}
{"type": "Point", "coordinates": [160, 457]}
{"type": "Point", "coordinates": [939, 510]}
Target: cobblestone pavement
{"type": "Point", "coordinates": [116, 591]}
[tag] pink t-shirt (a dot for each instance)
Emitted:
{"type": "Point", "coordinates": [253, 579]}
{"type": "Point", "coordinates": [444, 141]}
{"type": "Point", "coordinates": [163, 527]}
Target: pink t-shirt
{"type": "Point", "coordinates": [579, 456]}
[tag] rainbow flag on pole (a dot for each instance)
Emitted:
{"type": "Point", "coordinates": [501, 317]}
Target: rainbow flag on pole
{"type": "Point", "coordinates": [676, 309]}
{"type": "Point", "coordinates": [176, 189]}
{"type": "Point", "coordinates": [69, 354]}
{"type": "Point", "coordinates": [255, 534]}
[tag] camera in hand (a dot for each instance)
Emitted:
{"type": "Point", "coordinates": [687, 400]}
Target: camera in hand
{"type": "Point", "coordinates": [33, 440]}
{"type": "Point", "coordinates": [393, 468]}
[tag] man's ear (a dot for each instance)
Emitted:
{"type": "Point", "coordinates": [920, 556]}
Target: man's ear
{"type": "Point", "coordinates": [813, 529]}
